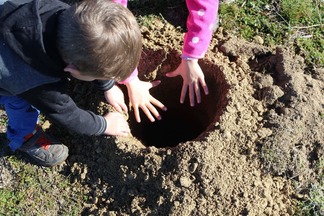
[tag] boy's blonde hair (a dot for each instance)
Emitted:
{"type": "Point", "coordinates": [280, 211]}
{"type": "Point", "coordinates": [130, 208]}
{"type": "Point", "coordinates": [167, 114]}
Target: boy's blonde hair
{"type": "Point", "coordinates": [101, 38]}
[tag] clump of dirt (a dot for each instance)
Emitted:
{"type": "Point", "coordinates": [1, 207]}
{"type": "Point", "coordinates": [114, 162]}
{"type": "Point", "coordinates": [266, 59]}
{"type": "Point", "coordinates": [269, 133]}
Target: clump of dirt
{"type": "Point", "coordinates": [252, 147]}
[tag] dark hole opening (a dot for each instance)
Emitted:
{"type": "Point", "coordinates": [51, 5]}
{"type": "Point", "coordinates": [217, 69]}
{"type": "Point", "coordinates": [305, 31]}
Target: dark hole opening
{"type": "Point", "coordinates": [181, 122]}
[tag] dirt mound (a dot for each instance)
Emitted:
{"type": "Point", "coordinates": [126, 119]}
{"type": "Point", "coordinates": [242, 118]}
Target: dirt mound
{"type": "Point", "coordinates": [252, 147]}
{"type": "Point", "coordinates": [239, 152]}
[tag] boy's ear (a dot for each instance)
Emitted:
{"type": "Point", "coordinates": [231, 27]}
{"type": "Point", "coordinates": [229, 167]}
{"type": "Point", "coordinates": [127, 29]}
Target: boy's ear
{"type": "Point", "coordinates": [72, 69]}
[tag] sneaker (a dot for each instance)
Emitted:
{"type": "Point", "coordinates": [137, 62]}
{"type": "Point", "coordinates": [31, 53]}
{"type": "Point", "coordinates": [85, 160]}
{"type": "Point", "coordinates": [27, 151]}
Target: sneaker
{"type": "Point", "coordinates": [45, 150]}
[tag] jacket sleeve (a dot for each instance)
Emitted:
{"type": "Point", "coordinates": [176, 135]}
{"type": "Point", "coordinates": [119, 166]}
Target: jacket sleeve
{"type": "Point", "coordinates": [54, 103]}
{"type": "Point", "coordinates": [200, 25]}
{"type": "Point", "coordinates": [104, 85]}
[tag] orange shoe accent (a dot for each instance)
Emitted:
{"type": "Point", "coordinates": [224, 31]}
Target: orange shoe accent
{"type": "Point", "coordinates": [43, 142]}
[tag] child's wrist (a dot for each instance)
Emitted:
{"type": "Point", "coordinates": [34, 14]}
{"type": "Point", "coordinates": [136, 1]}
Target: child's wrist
{"type": "Point", "coordinates": [188, 58]}
{"type": "Point", "coordinates": [130, 78]}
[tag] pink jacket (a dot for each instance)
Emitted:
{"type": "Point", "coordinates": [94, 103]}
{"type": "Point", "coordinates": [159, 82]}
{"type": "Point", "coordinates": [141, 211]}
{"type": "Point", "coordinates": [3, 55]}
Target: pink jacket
{"type": "Point", "coordinates": [200, 25]}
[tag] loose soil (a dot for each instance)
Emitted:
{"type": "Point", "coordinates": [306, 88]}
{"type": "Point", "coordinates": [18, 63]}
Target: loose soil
{"type": "Point", "coordinates": [252, 147]}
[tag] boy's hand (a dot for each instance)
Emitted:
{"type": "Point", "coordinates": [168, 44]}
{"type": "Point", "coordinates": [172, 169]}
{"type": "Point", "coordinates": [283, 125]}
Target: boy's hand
{"type": "Point", "coordinates": [140, 97]}
{"type": "Point", "coordinates": [115, 97]}
{"type": "Point", "coordinates": [116, 124]}
{"type": "Point", "coordinates": [192, 76]}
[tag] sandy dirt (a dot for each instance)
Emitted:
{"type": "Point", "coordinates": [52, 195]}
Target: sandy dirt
{"type": "Point", "coordinates": [250, 148]}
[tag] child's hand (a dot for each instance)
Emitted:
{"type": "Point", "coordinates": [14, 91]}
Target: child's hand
{"type": "Point", "coordinates": [115, 97]}
{"type": "Point", "coordinates": [140, 97]}
{"type": "Point", "coordinates": [116, 124]}
{"type": "Point", "coordinates": [192, 76]}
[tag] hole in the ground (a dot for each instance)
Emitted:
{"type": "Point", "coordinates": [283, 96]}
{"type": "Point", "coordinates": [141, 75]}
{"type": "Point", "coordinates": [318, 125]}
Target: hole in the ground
{"type": "Point", "coordinates": [181, 122]}
{"type": "Point", "coordinates": [262, 63]}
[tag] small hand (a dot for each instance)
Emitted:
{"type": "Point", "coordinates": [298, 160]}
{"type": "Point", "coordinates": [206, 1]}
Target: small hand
{"type": "Point", "coordinates": [192, 76]}
{"type": "Point", "coordinates": [116, 124]}
{"type": "Point", "coordinates": [115, 97]}
{"type": "Point", "coordinates": [140, 97]}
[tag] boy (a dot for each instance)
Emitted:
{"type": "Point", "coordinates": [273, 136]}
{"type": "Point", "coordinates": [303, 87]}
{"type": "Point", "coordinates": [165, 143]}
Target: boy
{"type": "Point", "coordinates": [41, 42]}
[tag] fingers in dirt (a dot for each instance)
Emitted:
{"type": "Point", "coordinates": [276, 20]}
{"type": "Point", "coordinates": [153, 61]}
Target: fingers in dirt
{"type": "Point", "coordinates": [155, 83]}
{"type": "Point", "coordinates": [154, 111]}
{"type": "Point", "coordinates": [183, 93]}
{"type": "Point", "coordinates": [204, 85]}
{"type": "Point", "coordinates": [197, 93]}
{"type": "Point", "coordinates": [137, 114]}
{"type": "Point", "coordinates": [117, 107]}
{"type": "Point", "coordinates": [191, 95]}
{"type": "Point", "coordinates": [148, 113]}
{"type": "Point", "coordinates": [158, 104]}
{"type": "Point", "coordinates": [124, 108]}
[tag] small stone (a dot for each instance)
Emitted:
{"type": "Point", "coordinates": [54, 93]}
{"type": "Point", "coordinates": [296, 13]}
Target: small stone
{"type": "Point", "coordinates": [95, 200]}
{"type": "Point", "coordinates": [193, 167]}
{"type": "Point", "coordinates": [227, 135]}
{"type": "Point", "coordinates": [268, 211]}
{"type": "Point", "coordinates": [264, 132]}
{"type": "Point", "coordinates": [169, 152]}
{"type": "Point", "coordinates": [271, 94]}
{"type": "Point", "coordinates": [185, 181]}
{"type": "Point", "coordinates": [259, 40]}
{"type": "Point", "coordinates": [83, 176]}
{"type": "Point", "coordinates": [176, 203]}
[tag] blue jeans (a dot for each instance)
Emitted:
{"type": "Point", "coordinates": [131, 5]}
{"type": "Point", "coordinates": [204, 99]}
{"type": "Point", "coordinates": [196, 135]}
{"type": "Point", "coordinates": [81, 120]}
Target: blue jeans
{"type": "Point", "coordinates": [23, 119]}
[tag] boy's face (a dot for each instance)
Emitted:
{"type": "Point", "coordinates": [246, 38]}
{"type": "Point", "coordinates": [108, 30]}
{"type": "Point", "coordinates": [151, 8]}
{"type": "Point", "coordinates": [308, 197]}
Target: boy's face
{"type": "Point", "coordinates": [73, 70]}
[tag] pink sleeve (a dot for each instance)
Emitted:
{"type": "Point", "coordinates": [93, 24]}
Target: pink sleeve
{"type": "Point", "coordinates": [130, 78]}
{"type": "Point", "coordinates": [123, 2]}
{"type": "Point", "coordinates": [200, 24]}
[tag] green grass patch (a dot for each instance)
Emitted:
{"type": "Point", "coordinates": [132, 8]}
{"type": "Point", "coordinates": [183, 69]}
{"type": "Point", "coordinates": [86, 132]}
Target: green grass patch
{"type": "Point", "coordinates": [37, 191]}
{"type": "Point", "coordinates": [314, 204]}
{"type": "Point", "coordinates": [294, 23]}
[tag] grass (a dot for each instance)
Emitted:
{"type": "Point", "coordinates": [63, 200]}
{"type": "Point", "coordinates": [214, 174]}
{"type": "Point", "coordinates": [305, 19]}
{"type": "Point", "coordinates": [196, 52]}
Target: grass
{"type": "Point", "coordinates": [294, 23]}
{"type": "Point", "coordinates": [37, 191]}
{"type": "Point", "coordinates": [321, 115]}
{"type": "Point", "coordinates": [314, 204]}
{"type": "Point", "coordinates": [3, 119]}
